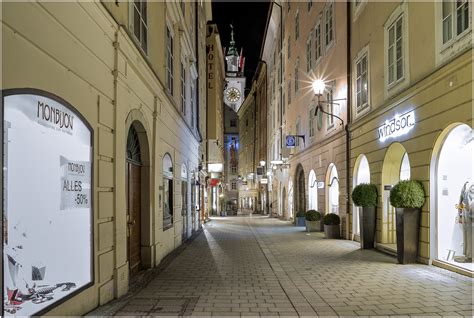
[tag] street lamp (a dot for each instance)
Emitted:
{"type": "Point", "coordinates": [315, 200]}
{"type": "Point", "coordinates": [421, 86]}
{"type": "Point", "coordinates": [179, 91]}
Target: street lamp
{"type": "Point", "coordinates": [318, 88]}
{"type": "Point", "coordinates": [262, 163]}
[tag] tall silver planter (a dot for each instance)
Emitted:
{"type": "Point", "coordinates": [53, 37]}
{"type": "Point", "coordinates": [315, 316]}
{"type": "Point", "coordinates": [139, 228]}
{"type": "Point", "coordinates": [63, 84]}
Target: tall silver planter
{"type": "Point", "coordinates": [367, 217]}
{"type": "Point", "coordinates": [408, 230]}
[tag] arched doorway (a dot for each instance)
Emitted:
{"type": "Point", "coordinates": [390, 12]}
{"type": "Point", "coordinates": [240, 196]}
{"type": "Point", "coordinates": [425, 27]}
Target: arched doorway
{"type": "Point", "coordinates": [396, 167]}
{"type": "Point", "coordinates": [300, 195]}
{"type": "Point", "coordinates": [361, 175]}
{"type": "Point", "coordinates": [184, 201]}
{"type": "Point", "coordinates": [451, 177]}
{"type": "Point", "coordinates": [290, 199]}
{"type": "Point", "coordinates": [137, 185]}
{"type": "Point", "coordinates": [312, 191]}
{"type": "Point", "coordinates": [332, 192]}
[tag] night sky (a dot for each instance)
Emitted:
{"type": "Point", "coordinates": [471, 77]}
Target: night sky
{"type": "Point", "coordinates": [249, 20]}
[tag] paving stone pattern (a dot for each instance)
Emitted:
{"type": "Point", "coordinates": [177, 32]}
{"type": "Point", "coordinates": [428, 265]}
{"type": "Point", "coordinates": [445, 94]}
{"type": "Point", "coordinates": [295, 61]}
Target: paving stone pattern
{"type": "Point", "coordinates": [257, 266]}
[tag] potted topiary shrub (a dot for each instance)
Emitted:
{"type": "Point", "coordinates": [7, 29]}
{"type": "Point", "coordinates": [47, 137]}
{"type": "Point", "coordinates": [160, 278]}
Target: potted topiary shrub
{"type": "Point", "coordinates": [313, 220]}
{"type": "Point", "coordinates": [331, 226]}
{"type": "Point", "coordinates": [407, 196]}
{"type": "Point", "coordinates": [365, 195]}
{"type": "Point", "coordinates": [300, 218]}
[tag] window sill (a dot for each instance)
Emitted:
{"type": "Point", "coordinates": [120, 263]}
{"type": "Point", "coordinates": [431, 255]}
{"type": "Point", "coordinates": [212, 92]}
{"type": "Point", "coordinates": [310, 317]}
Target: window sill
{"type": "Point", "coordinates": [167, 227]}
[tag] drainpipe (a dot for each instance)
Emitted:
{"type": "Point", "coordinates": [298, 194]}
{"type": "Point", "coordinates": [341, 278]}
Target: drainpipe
{"type": "Point", "coordinates": [349, 119]}
{"type": "Point", "coordinates": [196, 43]}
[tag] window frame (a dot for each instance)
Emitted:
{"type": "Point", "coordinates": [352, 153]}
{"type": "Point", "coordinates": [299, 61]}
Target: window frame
{"type": "Point", "coordinates": [139, 40]}
{"type": "Point", "coordinates": [329, 8]}
{"type": "Point", "coordinates": [401, 11]}
{"type": "Point", "coordinates": [364, 53]}
{"type": "Point", "coordinates": [309, 49]}
{"type": "Point", "coordinates": [169, 59]}
{"type": "Point", "coordinates": [297, 25]}
{"type": "Point", "coordinates": [183, 87]}
{"type": "Point", "coordinates": [329, 90]}
{"type": "Point", "coordinates": [297, 66]}
{"type": "Point", "coordinates": [318, 47]}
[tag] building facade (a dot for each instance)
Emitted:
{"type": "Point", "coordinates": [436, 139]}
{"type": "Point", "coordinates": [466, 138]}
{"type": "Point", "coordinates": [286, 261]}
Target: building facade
{"type": "Point", "coordinates": [215, 120]}
{"type": "Point", "coordinates": [121, 81]}
{"type": "Point", "coordinates": [412, 117]}
{"type": "Point", "coordinates": [231, 160]}
{"type": "Point", "coordinates": [313, 46]}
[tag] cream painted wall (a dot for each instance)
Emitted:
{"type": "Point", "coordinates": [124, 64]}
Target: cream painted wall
{"type": "Point", "coordinates": [80, 54]}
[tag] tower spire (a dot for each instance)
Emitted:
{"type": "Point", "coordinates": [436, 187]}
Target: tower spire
{"type": "Point", "coordinates": [232, 49]}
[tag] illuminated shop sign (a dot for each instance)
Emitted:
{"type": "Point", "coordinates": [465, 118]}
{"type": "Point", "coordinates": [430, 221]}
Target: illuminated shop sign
{"type": "Point", "coordinates": [47, 215]}
{"type": "Point", "coordinates": [397, 126]}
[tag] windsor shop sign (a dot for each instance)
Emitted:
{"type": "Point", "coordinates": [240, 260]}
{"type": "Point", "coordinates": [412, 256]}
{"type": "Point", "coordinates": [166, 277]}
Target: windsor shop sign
{"type": "Point", "coordinates": [397, 126]}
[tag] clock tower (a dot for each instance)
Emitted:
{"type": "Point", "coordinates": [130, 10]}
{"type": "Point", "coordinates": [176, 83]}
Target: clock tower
{"type": "Point", "coordinates": [235, 80]}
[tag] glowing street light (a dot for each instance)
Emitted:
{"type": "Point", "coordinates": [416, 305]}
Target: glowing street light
{"type": "Point", "coordinates": [318, 87]}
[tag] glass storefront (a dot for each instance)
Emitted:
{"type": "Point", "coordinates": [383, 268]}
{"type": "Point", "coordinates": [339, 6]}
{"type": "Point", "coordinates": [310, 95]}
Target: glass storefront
{"type": "Point", "coordinates": [333, 190]}
{"type": "Point", "coordinates": [361, 175]}
{"type": "Point", "coordinates": [312, 191]}
{"type": "Point", "coordinates": [455, 197]}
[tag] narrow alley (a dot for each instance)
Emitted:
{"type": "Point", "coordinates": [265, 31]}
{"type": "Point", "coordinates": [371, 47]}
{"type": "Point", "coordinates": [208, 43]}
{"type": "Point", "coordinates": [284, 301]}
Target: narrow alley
{"type": "Point", "coordinates": [259, 266]}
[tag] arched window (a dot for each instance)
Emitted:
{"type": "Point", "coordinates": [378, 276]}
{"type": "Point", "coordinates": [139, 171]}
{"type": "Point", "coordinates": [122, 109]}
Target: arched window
{"type": "Point", "coordinates": [312, 191]}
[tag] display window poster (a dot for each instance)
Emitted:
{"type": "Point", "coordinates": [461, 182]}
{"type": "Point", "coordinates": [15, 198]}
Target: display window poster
{"type": "Point", "coordinates": [47, 202]}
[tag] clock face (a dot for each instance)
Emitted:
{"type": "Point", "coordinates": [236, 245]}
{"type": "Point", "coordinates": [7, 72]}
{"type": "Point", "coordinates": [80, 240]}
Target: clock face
{"type": "Point", "coordinates": [232, 94]}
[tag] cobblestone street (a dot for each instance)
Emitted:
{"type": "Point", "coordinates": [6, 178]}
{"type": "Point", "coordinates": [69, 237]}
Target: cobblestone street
{"type": "Point", "coordinates": [256, 266]}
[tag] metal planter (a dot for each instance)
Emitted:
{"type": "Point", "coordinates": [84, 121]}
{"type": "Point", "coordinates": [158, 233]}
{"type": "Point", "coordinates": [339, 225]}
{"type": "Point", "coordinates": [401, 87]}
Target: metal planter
{"type": "Point", "coordinates": [332, 231]}
{"type": "Point", "coordinates": [313, 226]}
{"type": "Point", "coordinates": [367, 218]}
{"type": "Point", "coordinates": [300, 221]}
{"type": "Point", "coordinates": [408, 229]}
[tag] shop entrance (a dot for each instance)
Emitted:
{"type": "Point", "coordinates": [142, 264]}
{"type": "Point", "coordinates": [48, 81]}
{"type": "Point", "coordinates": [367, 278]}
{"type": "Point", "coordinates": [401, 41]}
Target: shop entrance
{"type": "Point", "coordinates": [396, 167]}
{"type": "Point", "coordinates": [332, 190]}
{"type": "Point", "coordinates": [312, 191]}
{"type": "Point", "coordinates": [300, 195]}
{"type": "Point", "coordinates": [361, 175]}
{"type": "Point", "coordinates": [454, 196]}
{"type": "Point", "coordinates": [134, 198]}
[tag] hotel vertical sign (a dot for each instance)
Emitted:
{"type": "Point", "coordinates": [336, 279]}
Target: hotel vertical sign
{"type": "Point", "coordinates": [47, 216]}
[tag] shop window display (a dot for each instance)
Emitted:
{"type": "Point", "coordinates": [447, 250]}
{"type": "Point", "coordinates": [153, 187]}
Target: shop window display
{"type": "Point", "coordinates": [455, 198]}
{"type": "Point", "coordinates": [333, 188]}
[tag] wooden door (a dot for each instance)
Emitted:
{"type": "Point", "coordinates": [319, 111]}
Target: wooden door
{"type": "Point", "coordinates": [133, 217]}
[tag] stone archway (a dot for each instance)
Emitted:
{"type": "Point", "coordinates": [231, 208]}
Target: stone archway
{"type": "Point", "coordinates": [396, 167]}
{"type": "Point", "coordinates": [138, 197]}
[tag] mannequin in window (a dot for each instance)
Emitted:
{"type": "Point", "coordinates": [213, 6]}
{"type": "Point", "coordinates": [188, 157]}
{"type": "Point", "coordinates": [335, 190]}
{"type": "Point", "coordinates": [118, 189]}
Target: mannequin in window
{"type": "Point", "coordinates": [466, 210]}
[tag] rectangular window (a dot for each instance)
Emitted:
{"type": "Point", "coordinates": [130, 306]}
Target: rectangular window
{"type": "Point", "coordinates": [193, 103]}
{"type": "Point", "coordinates": [233, 123]}
{"type": "Point", "coordinates": [361, 83]}
{"type": "Point", "coordinates": [395, 51]}
{"type": "Point", "coordinates": [310, 4]}
{"type": "Point", "coordinates": [318, 47]}
{"type": "Point", "coordinates": [233, 169]}
{"type": "Point", "coordinates": [330, 107]}
{"type": "Point", "coordinates": [297, 25]}
{"type": "Point", "coordinates": [462, 16]}
{"type": "Point", "coordinates": [329, 24]}
{"type": "Point", "coordinates": [182, 4]}
{"type": "Point", "coordinates": [183, 89]}
{"type": "Point", "coordinates": [308, 54]}
{"type": "Point", "coordinates": [447, 8]}
{"type": "Point", "coordinates": [139, 23]}
{"type": "Point", "coordinates": [311, 122]}
{"type": "Point", "coordinates": [284, 104]}
{"type": "Point", "coordinates": [234, 185]}
{"type": "Point", "coordinates": [169, 61]}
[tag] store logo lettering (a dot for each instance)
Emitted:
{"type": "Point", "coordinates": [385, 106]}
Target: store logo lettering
{"type": "Point", "coordinates": [55, 116]}
{"type": "Point", "coordinates": [397, 126]}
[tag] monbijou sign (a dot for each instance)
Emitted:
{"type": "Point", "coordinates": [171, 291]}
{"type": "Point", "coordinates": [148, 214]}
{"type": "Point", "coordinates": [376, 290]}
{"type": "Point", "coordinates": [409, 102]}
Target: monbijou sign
{"type": "Point", "coordinates": [47, 202]}
{"type": "Point", "coordinates": [397, 126]}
